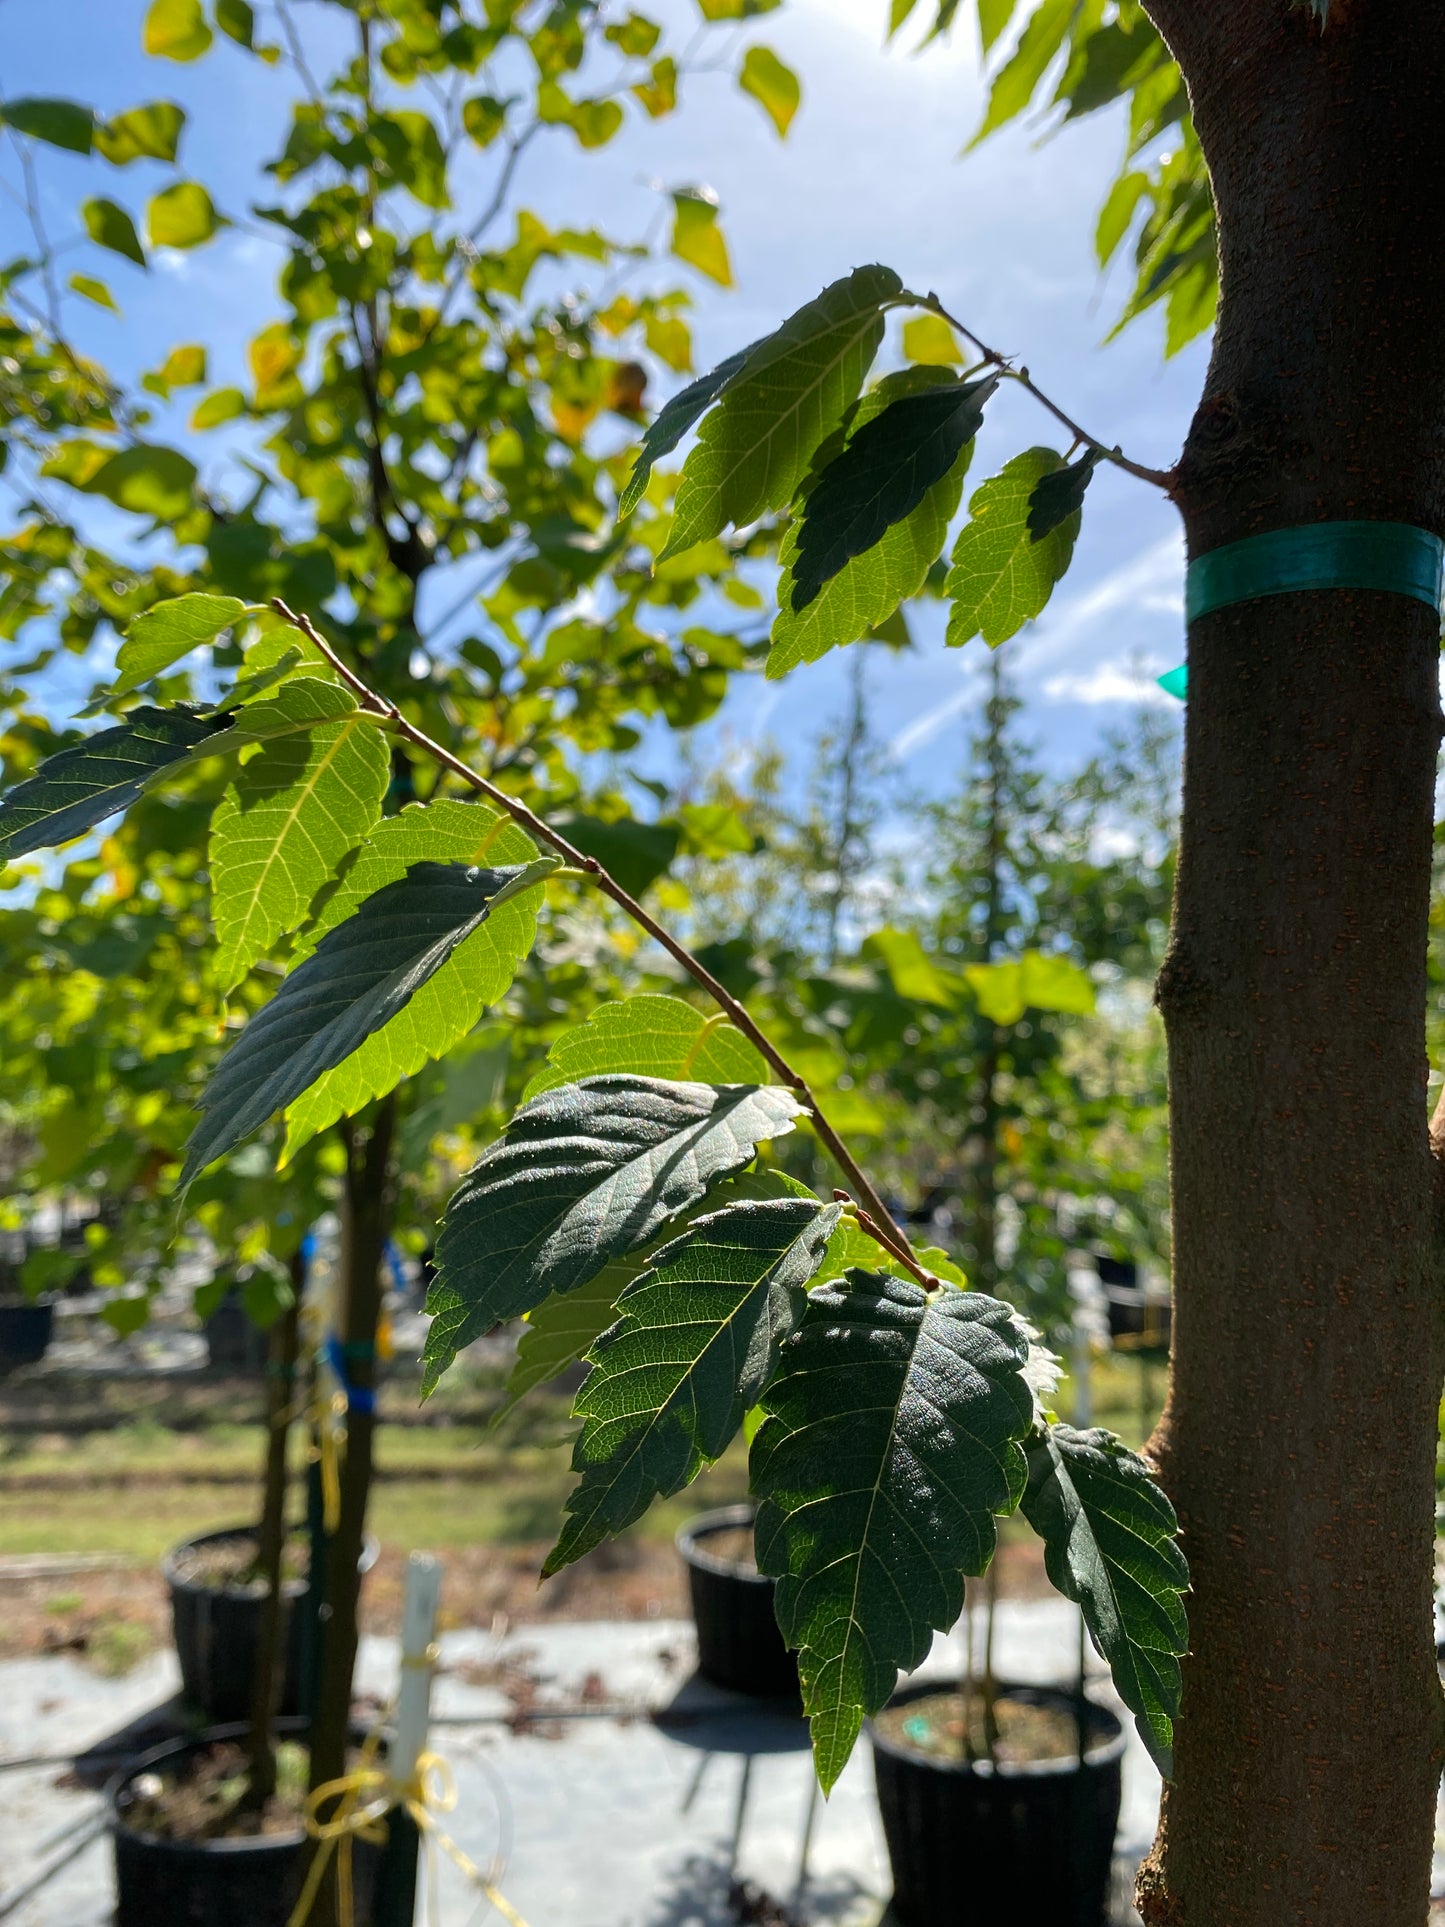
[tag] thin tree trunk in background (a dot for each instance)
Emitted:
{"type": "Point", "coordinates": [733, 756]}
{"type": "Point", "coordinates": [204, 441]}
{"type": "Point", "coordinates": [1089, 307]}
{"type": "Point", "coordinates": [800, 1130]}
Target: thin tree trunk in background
{"type": "Point", "coordinates": [365, 1227]}
{"type": "Point", "coordinates": [271, 1540]}
{"type": "Point", "coordinates": [1298, 1442]}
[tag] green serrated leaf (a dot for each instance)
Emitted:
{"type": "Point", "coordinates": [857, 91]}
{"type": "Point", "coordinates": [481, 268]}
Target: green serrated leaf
{"type": "Point", "coordinates": [296, 809]}
{"type": "Point", "coordinates": [653, 1036]}
{"type": "Point", "coordinates": [674, 420]}
{"type": "Point", "coordinates": [60, 123]}
{"type": "Point", "coordinates": [247, 688]}
{"type": "Point", "coordinates": [754, 448]}
{"type": "Point", "coordinates": [891, 1440]}
{"type": "Point", "coordinates": [561, 1329]}
{"type": "Point", "coordinates": [79, 787]}
{"type": "Point", "coordinates": [1058, 496]}
{"type": "Point", "coordinates": [166, 631]}
{"type": "Point", "coordinates": [1110, 1545]}
{"type": "Point", "coordinates": [772, 84]}
{"type": "Point", "coordinates": [868, 590]}
{"type": "Point", "coordinates": [1018, 79]}
{"type": "Point", "coordinates": [360, 975]}
{"type": "Point", "coordinates": [885, 471]}
{"type": "Point", "coordinates": [1001, 578]}
{"type": "Point", "coordinates": [583, 1175]}
{"type": "Point", "coordinates": [695, 1345]}
{"type": "Point", "coordinates": [476, 975]}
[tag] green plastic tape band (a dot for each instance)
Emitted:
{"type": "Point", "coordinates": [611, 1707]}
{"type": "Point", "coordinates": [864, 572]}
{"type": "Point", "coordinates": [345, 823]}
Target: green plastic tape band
{"type": "Point", "coordinates": [1390, 556]}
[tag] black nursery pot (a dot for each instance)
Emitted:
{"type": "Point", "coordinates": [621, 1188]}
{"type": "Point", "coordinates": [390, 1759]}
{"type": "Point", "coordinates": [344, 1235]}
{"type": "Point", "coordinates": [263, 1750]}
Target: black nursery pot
{"type": "Point", "coordinates": [217, 1633]}
{"type": "Point", "coordinates": [211, 1883]}
{"type": "Point", "coordinates": [738, 1642]}
{"type": "Point", "coordinates": [973, 1847]}
{"type": "Point", "coordinates": [26, 1325]}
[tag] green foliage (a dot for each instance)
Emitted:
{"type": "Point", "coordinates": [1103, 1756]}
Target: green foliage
{"type": "Point", "coordinates": [470, 980]}
{"type": "Point", "coordinates": [891, 1439]}
{"type": "Point", "coordinates": [60, 123]}
{"type": "Point", "coordinates": [152, 132]}
{"type": "Point", "coordinates": [176, 29]}
{"type": "Point", "coordinates": [80, 786]}
{"type": "Point", "coordinates": [1059, 495]}
{"type": "Point", "coordinates": [109, 226]}
{"type": "Point", "coordinates": [298, 805]}
{"type": "Point", "coordinates": [360, 975]}
{"type": "Point", "coordinates": [166, 632]}
{"type": "Point", "coordinates": [652, 1036]}
{"type": "Point", "coordinates": [582, 1175]}
{"type": "Point", "coordinates": [886, 470]}
{"type": "Point", "coordinates": [773, 85]}
{"type": "Point", "coordinates": [697, 237]}
{"type": "Point", "coordinates": [1033, 981]}
{"type": "Point", "coordinates": [755, 446]}
{"type": "Point", "coordinates": [671, 423]}
{"type": "Point", "coordinates": [871, 586]}
{"type": "Point", "coordinates": [1002, 576]}
{"type": "Point", "coordinates": [1109, 1538]}
{"type": "Point", "coordinates": [181, 216]}
{"type": "Point", "coordinates": [694, 1347]}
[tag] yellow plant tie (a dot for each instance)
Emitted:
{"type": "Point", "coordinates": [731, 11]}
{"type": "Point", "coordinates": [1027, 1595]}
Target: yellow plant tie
{"type": "Point", "coordinates": [363, 1798]}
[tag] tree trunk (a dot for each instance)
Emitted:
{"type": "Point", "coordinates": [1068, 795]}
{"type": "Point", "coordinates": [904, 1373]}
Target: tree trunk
{"type": "Point", "coordinates": [365, 1227]}
{"type": "Point", "coordinates": [271, 1540]}
{"type": "Point", "coordinates": [1309, 1337]}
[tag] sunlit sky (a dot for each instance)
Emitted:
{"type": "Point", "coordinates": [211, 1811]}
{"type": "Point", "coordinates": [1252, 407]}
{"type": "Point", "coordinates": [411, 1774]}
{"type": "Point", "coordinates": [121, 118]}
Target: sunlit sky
{"type": "Point", "coordinates": [872, 170]}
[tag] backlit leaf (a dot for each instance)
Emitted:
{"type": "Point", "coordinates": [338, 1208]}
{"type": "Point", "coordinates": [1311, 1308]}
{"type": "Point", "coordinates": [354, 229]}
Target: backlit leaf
{"type": "Point", "coordinates": [772, 84]}
{"type": "Point", "coordinates": [152, 132]}
{"type": "Point", "coordinates": [927, 338]}
{"type": "Point", "coordinates": [582, 1175]}
{"type": "Point", "coordinates": [360, 975]}
{"type": "Point", "coordinates": [1017, 80]}
{"type": "Point", "coordinates": [694, 1347]}
{"type": "Point", "coordinates": [697, 238]}
{"type": "Point", "coordinates": [473, 978]}
{"type": "Point", "coordinates": [1110, 1544]}
{"type": "Point", "coordinates": [93, 290]}
{"type": "Point", "coordinates": [891, 1439]}
{"type": "Point", "coordinates": [297, 807]}
{"type": "Point", "coordinates": [147, 480]}
{"type": "Point", "coordinates": [166, 631]}
{"type": "Point", "coordinates": [887, 468]}
{"type": "Point", "coordinates": [653, 1036]}
{"type": "Point", "coordinates": [674, 420]}
{"type": "Point", "coordinates": [80, 786]}
{"type": "Point", "coordinates": [1001, 578]}
{"type": "Point", "coordinates": [176, 30]}
{"type": "Point", "coordinates": [181, 216]}
{"type": "Point", "coordinates": [755, 447]}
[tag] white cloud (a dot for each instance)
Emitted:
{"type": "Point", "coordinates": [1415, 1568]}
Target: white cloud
{"type": "Point", "coordinates": [1110, 682]}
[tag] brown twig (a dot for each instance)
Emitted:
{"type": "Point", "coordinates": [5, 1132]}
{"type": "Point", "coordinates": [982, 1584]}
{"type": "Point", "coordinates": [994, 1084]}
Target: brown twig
{"type": "Point", "coordinates": [1160, 478]}
{"type": "Point", "coordinates": [879, 1217]}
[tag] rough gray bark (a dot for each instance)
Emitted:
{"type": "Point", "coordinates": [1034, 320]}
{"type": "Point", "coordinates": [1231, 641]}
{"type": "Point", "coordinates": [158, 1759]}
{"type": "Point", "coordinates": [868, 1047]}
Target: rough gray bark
{"type": "Point", "coordinates": [1309, 1337]}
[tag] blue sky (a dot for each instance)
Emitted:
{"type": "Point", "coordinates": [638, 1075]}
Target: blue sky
{"type": "Point", "coordinates": [871, 171]}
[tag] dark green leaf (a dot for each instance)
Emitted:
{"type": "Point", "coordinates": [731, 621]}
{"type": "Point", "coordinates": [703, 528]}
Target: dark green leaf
{"type": "Point", "coordinates": [673, 421]}
{"type": "Point", "coordinates": [61, 123]}
{"type": "Point", "coordinates": [633, 854]}
{"type": "Point", "coordinates": [583, 1175]}
{"type": "Point", "coordinates": [1110, 1544]}
{"type": "Point", "coordinates": [891, 1440]}
{"type": "Point", "coordinates": [754, 449]}
{"type": "Point", "coordinates": [79, 787]}
{"type": "Point", "coordinates": [885, 471]}
{"type": "Point", "coordinates": [109, 226]}
{"type": "Point", "coordinates": [1060, 494]}
{"type": "Point", "coordinates": [695, 1345]}
{"type": "Point", "coordinates": [360, 975]}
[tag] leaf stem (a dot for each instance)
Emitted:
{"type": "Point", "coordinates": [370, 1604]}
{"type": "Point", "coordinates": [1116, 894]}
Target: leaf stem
{"type": "Point", "coordinates": [1159, 477]}
{"type": "Point", "coordinates": [879, 1219]}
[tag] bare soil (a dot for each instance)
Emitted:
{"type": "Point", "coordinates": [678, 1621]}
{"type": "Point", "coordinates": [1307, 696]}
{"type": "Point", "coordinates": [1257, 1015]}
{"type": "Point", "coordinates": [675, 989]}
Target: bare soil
{"type": "Point", "coordinates": [950, 1726]}
{"type": "Point", "coordinates": [206, 1798]}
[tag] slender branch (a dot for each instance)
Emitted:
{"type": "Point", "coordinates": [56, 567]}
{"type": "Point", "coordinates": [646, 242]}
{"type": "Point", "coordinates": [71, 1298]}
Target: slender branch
{"type": "Point", "coordinates": [879, 1217]}
{"type": "Point", "coordinates": [1160, 478]}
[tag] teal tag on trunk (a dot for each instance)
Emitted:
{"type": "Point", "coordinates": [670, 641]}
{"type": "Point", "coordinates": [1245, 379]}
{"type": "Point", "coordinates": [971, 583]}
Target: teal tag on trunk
{"type": "Point", "coordinates": [1393, 557]}
{"type": "Point", "coordinates": [1175, 683]}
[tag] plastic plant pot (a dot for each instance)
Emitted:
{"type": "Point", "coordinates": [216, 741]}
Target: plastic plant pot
{"type": "Point", "coordinates": [738, 1642]}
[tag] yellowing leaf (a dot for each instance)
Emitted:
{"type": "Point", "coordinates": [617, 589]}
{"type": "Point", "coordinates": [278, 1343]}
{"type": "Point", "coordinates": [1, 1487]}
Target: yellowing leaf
{"type": "Point", "coordinates": [176, 30]}
{"type": "Point", "coordinates": [773, 85]}
{"type": "Point", "coordinates": [183, 216]}
{"type": "Point", "coordinates": [221, 406]}
{"type": "Point", "coordinates": [697, 238]}
{"type": "Point", "coordinates": [184, 367]}
{"type": "Point", "coordinates": [671, 341]}
{"type": "Point", "coordinates": [151, 132]}
{"type": "Point", "coordinates": [93, 290]}
{"type": "Point", "coordinates": [928, 338]}
{"type": "Point", "coordinates": [274, 356]}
